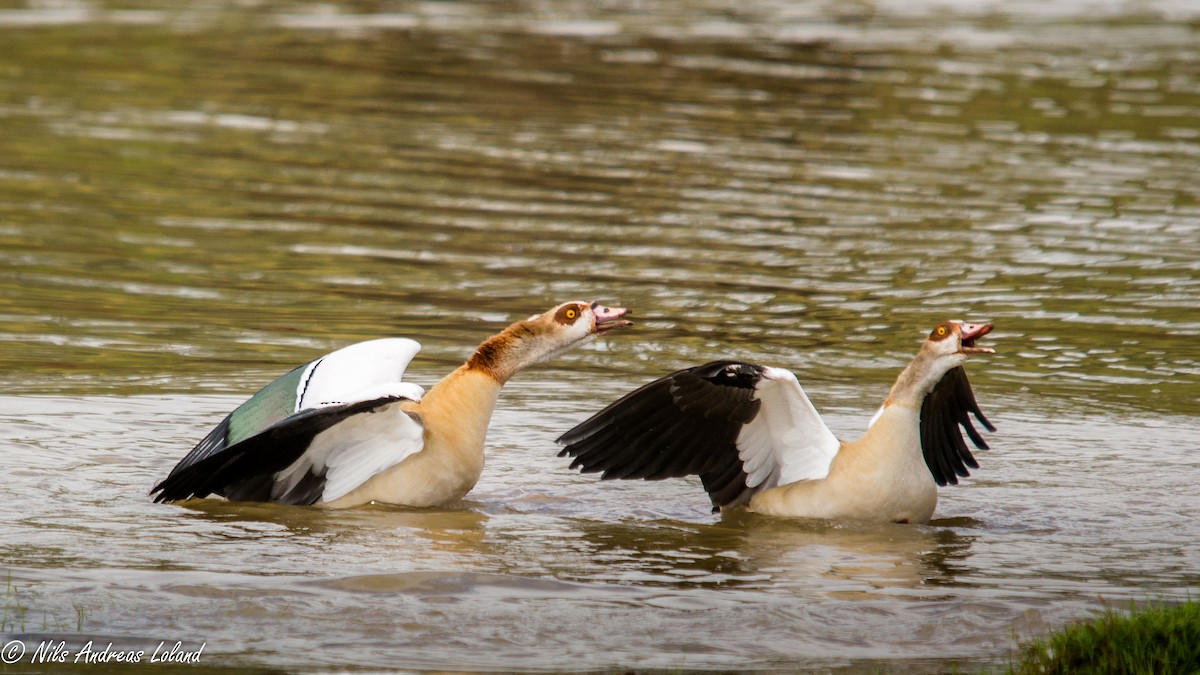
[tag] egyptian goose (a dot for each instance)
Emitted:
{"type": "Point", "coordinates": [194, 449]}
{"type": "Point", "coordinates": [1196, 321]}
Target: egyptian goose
{"type": "Point", "coordinates": [753, 437]}
{"type": "Point", "coordinates": [345, 430]}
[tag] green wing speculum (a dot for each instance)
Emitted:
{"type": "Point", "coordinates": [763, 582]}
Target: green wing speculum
{"type": "Point", "coordinates": [272, 403]}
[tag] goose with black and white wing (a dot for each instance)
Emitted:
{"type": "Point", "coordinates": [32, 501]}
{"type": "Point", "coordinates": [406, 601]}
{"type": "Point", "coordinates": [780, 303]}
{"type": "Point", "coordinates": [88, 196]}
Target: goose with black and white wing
{"type": "Point", "coordinates": [753, 437]}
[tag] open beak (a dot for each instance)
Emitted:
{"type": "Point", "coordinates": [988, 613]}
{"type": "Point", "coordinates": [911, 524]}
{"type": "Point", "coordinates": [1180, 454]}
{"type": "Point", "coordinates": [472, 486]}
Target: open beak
{"type": "Point", "coordinates": [969, 333]}
{"type": "Point", "coordinates": [608, 318]}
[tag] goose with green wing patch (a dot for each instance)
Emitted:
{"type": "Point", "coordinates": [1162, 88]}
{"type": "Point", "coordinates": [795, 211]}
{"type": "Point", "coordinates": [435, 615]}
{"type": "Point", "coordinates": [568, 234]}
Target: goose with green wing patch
{"type": "Point", "coordinates": [346, 429]}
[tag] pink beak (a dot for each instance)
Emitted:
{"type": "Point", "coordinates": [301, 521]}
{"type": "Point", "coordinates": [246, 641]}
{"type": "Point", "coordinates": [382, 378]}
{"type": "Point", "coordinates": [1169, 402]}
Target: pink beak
{"type": "Point", "coordinates": [608, 318]}
{"type": "Point", "coordinates": [968, 333]}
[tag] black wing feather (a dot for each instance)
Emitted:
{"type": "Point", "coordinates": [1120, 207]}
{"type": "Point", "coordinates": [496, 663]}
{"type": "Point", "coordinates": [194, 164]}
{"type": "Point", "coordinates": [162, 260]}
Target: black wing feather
{"type": "Point", "coordinates": [726, 486]}
{"type": "Point", "coordinates": [245, 470]}
{"type": "Point", "coordinates": [214, 442]}
{"type": "Point", "coordinates": [645, 454]}
{"type": "Point", "coordinates": [616, 440]}
{"type": "Point", "coordinates": [945, 414]}
{"type": "Point", "coordinates": [686, 423]}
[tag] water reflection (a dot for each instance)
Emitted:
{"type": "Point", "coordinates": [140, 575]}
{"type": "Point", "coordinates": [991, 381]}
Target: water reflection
{"type": "Point", "coordinates": [859, 560]}
{"type": "Point", "coordinates": [453, 532]}
{"type": "Point", "coordinates": [739, 550]}
{"type": "Point", "coordinates": [745, 550]}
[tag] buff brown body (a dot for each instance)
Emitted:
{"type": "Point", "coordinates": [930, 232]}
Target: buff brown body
{"type": "Point", "coordinates": [456, 413]}
{"type": "Point", "coordinates": [754, 438]}
{"type": "Point", "coordinates": [389, 445]}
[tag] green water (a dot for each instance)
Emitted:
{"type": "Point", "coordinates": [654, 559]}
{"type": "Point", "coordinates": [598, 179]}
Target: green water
{"type": "Point", "coordinates": [194, 199]}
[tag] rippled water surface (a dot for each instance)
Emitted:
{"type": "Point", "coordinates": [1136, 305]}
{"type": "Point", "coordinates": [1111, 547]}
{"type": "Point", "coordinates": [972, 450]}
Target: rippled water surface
{"type": "Point", "coordinates": [193, 199]}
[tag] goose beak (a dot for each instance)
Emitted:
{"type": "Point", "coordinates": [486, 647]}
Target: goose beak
{"type": "Point", "coordinates": [969, 333]}
{"type": "Point", "coordinates": [608, 318]}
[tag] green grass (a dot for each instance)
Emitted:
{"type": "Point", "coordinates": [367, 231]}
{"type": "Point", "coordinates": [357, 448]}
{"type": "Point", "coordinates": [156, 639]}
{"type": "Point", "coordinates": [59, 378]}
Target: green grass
{"type": "Point", "coordinates": [1156, 639]}
{"type": "Point", "coordinates": [14, 612]}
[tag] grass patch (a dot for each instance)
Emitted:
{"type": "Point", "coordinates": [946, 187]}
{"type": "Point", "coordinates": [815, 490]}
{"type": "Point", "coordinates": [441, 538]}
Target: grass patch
{"type": "Point", "coordinates": [14, 612]}
{"type": "Point", "coordinates": [1156, 639]}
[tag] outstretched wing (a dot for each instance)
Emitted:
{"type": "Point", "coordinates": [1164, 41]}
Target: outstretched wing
{"type": "Point", "coordinates": [274, 428]}
{"type": "Point", "coordinates": [944, 410]}
{"type": "Point", "coordinates": [739, 426]}
{"type": "Point", "coordinates": [289, 461]}
{"type": "Point", "coordinates": [338, 377]}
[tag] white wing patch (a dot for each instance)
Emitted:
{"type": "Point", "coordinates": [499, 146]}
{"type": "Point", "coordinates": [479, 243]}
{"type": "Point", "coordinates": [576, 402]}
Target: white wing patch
{"type": "Point", "coordinates": [342, 376]}
{"type": "Point", "coordinates": [375, 445]}
{"type": "Point", "coordinates": [787, 441]}
{"type": "Point", "coordinates": [355, 449]}
{"type": "Point", "coordinates": [360, 446]}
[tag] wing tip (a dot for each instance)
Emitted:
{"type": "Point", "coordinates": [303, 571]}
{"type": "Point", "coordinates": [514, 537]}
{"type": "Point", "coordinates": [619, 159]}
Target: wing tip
{"type": "Point", "coordinates": [167, 492]}
{"type": "Point", "coordinates": [945, 427]}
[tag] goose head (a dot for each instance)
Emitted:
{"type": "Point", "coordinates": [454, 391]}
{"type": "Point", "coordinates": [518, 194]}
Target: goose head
{"type": "Point", "coordinates": [577, 321]}
{"type": "Point", "coordinates": [951, 343]}
{"type": "Point", "coordinates": [543, 336]}
{"type": "Point", "coordinates": [948, 346]}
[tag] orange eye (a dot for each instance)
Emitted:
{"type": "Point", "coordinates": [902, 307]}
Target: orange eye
{"type": "Point", "coordinates": [941, 331]}
{"type": "Point", "coordinates": [571, 314]}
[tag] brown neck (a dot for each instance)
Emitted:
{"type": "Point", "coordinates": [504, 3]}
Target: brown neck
{"type": "Point", "coordinates": [489, 358]}
{"type": "Point", "coordinates": [510, 350]}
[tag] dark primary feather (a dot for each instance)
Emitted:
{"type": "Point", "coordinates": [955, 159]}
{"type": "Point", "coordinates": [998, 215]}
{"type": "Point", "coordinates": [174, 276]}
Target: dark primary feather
{"type": "Point", "coordinates": [686, 423]}
{"type": "Point", "coordinates": [245, 470]}
{"type": "Point", "coordinates": [270, 405]}
{"type": "Point", "coordinates": [945, 409]}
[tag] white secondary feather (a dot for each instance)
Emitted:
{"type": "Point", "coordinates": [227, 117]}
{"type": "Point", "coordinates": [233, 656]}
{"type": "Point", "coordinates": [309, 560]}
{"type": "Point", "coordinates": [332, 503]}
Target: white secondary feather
{"type": "Point", "coordinates": [355, 449]}
{"type": "Point", "coordinates": [360, 446]}
{"type": "Point", "coordinates": [376, 441]}
{"type": "Point", "coordinates": [342, 376]}
{"type": "Point", "coordinates": [787, 441]}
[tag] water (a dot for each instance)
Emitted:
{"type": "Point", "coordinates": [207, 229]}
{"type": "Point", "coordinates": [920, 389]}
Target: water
{"type": "Point", "coordinates": [194, 200]}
